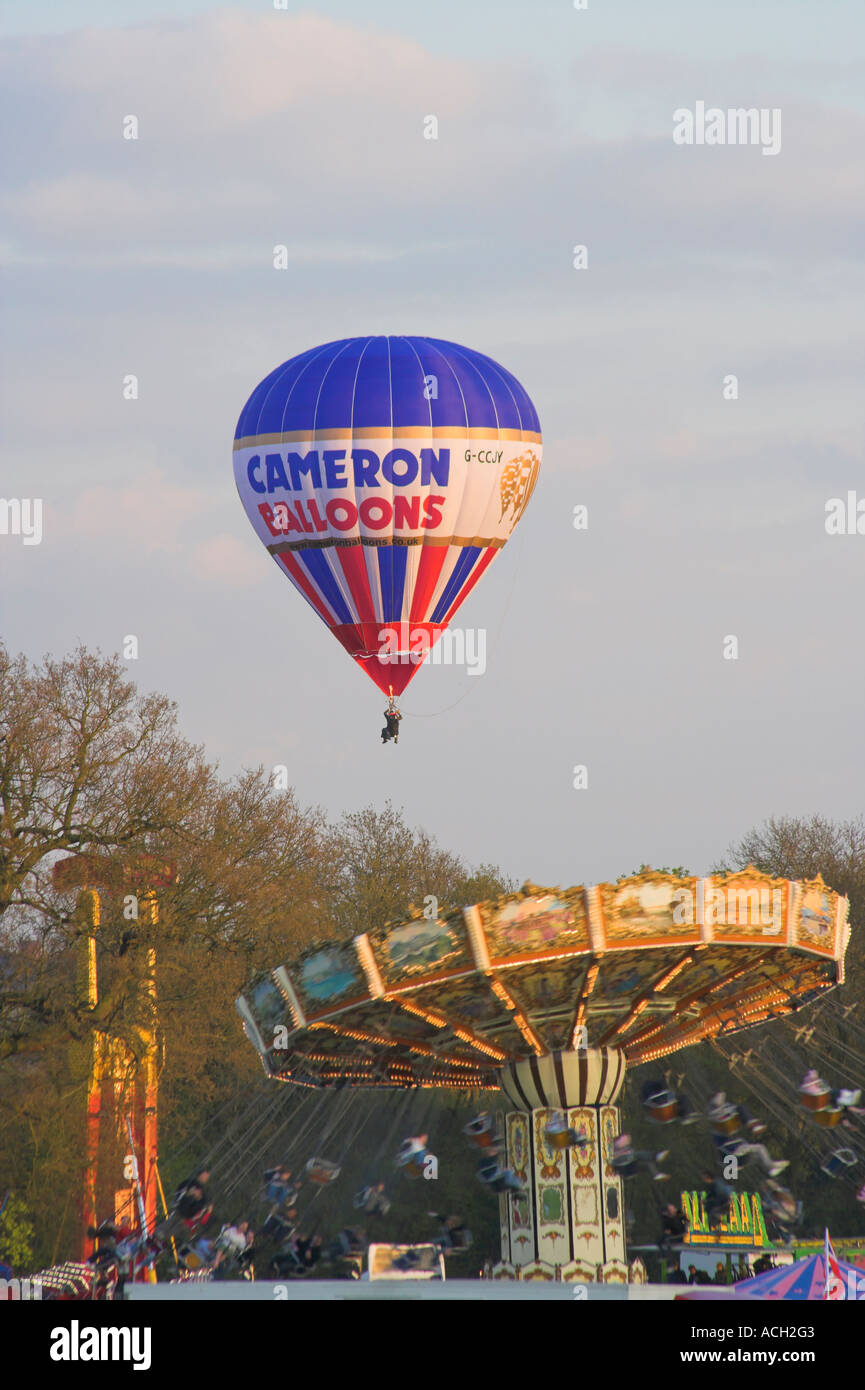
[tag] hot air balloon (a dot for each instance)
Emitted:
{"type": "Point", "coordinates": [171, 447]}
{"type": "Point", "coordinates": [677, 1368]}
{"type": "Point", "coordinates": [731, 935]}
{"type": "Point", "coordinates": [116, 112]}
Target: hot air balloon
{"type": "Point", "coordinates": [384, 475]}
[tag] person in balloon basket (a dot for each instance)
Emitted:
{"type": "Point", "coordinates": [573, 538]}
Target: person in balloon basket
{"type": "Point", "coordinates": [391, 728]}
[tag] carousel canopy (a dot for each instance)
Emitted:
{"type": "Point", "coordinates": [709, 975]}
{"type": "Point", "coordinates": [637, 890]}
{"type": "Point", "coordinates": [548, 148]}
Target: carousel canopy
{"type": "Point", "coordinates": [646, 966]}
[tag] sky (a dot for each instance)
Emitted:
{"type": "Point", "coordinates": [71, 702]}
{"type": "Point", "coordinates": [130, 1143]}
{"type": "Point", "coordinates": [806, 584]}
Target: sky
{"type": "Point", "coordinates": [706, 514]}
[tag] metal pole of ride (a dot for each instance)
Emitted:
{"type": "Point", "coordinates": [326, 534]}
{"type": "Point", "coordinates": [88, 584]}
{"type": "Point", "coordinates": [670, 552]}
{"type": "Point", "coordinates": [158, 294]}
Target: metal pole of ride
{"type": "Point", "coordinates": [161, 1190]}
{"type": "Point", "coordinates": [95, 1076]}
{"type": "Point", "coordinates": [139, 1197]}
{"type": "Point", "coordinates": [150, 1081]}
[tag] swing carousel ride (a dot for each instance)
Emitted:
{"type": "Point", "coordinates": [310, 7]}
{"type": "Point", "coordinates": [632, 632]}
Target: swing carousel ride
{"type": "Point", "coordinates": [549, 995]}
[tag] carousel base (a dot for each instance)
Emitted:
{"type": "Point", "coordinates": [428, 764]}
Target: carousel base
{"type": "Point", "coordinates": [403, 1290]}
{"type": "Point", "coordinates": [577, 1272]}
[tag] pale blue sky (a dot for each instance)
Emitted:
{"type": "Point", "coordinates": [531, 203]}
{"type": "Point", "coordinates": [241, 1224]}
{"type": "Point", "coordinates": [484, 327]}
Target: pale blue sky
{"type": "Point", "coordinates": [833, 30]}
{"type": "Point", "coordinates": [706, 516]}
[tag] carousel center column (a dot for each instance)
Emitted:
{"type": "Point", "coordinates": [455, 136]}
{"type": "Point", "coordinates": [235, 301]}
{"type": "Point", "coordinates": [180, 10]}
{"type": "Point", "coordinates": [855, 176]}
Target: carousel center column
{"type": "Point", "coordinates": [570, 1223]}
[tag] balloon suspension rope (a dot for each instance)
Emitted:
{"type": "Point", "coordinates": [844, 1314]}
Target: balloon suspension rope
{"type": "Point", "coordinates": [434, 713]}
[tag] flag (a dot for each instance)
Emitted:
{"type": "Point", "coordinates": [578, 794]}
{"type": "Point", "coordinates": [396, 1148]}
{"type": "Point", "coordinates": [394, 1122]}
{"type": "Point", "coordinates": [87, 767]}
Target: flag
{"type": "Point", "coordinates": [833, 1287]}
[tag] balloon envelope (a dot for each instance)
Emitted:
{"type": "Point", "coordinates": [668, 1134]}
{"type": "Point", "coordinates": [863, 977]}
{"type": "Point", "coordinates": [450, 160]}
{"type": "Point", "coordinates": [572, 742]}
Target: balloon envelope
{"type": "Point", "coordinates": [384, 475]}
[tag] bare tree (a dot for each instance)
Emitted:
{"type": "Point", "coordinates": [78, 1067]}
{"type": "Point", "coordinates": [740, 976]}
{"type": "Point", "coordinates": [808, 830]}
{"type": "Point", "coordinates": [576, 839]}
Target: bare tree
{"type": "Point", "coordinates": [380, 868]}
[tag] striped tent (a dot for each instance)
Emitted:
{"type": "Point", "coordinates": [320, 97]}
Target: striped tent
{"type": "Point", "coordinates": [806, 1279]}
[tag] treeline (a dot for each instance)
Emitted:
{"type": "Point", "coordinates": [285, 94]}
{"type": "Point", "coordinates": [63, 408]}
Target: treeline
{"type": "Point", "coordinates": [90, 766]}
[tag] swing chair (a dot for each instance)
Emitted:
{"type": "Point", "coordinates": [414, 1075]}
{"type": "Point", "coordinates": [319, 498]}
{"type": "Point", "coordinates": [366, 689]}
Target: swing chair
{"type": "Point", "coordinates": [815, 1100]}
{"type": "Point", "coordinates": [321, 1171]}
{"type": "Point", "coordinates": [828, 1117]}
{"type": "Point", "coordinates": [372, 1201]}
{"type": "Point", "coordinates": [499, 1179]}
{"type": "Point", "coordinates": [480, 1131]}
{"type": "Point", "coordinates": [662, 1107]}
{"type": "Point", "coordinates": [838, 1162]}
{"type": "Point", "coordinates": [412, 1157]}
{"type": "Point", "coordinates": [726, 1119]}
{"type": "Point", "coordinates": [559, 1135]}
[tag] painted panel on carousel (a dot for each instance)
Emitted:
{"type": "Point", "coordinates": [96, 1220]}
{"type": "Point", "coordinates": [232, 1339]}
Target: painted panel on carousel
{"type": "Point", "coordinates": [747, 906]}
{"type": "Point", "coordinates": [522, 1241]}
{"type": "Point", "coordinates": [520, 1216]}
{"type": "Point", "coordinates": [546, 922]}
{"type": "Point", "coordinates": [550, 1161]}
{"type": "Point", "coordinates": [609, 1132]}
{"type": "Point", "coordinates": [587, 1219]}
{"type": "Point", "coordinates": [585, 1188]}
{"type": "Point", "coordinates": [647, 908]}
{"type": "Point", "coordinates": [504, 1225]}
{"type": "Point", "coordinates": [613, 1197]}
{"type": "Point", "coordinates": [584, 1157]}
{"type": "Point", "coordinates": [268, 1007]}
{"type": "Point", "coordinates": [519, 1148]}
{"type": "Point", "coordinates": [422, 947]}
{"type": "Point", "coordinates": [551, 1205]}
{"type": "Point", "coordinates": [817, 915]}
{"type": "Point", "coordinates": [327, 978]}
{"type": "Point", "coordinates": [551, 1193]}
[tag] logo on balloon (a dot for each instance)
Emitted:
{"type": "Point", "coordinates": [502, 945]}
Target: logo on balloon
{"type": "Point", "coordinates": [517, 484]}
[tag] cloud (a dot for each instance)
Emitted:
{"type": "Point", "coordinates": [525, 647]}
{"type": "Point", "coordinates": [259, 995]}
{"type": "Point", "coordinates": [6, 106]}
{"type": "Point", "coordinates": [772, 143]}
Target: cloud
{"type": "Point", "coordinates": [150, 516]}
{"type": "Point", "coordinates": [268, 126]}
{"type": "Point", "coordinates": [224, 561]}
{"type": "Point", "coordinates": [294, 129]}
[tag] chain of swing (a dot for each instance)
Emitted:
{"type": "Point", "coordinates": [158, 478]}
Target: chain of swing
{"type": "Point", "coordinates": [768, 1083]}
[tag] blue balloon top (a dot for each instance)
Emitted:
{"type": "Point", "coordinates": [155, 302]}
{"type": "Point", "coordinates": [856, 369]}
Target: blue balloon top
{"type": "Point", "coordinates": [383, 382]}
